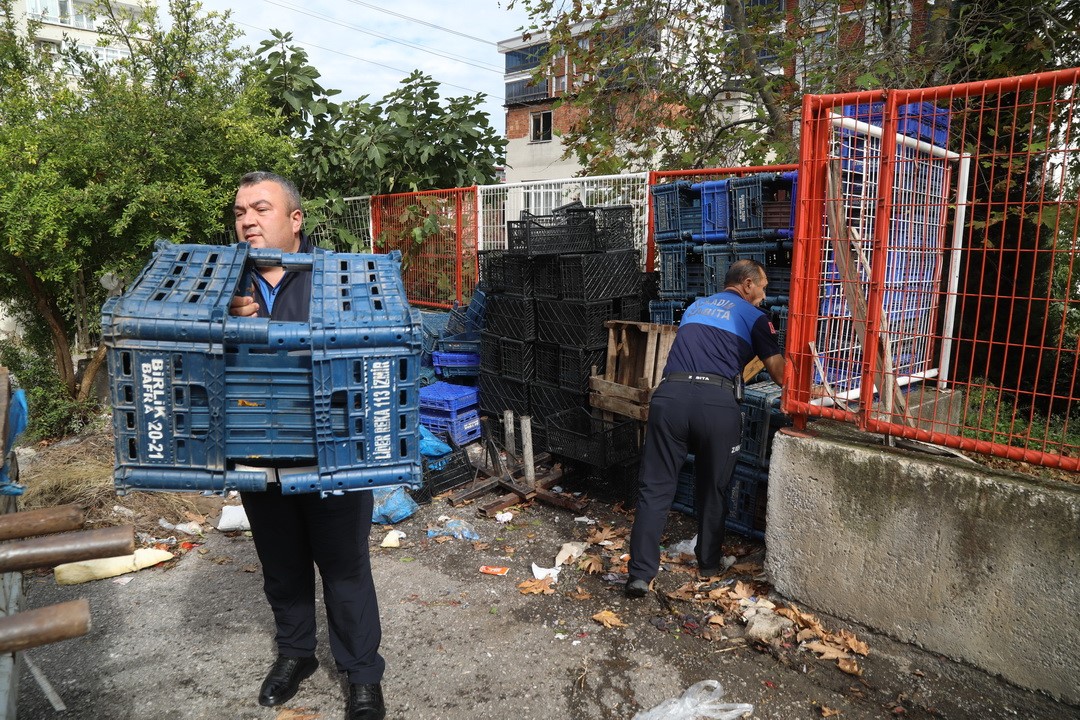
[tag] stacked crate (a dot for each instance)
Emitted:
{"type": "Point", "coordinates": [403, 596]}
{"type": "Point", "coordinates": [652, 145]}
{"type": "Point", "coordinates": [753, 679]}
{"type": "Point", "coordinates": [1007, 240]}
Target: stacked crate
{"type": "Point", "coordinates": [550, 292]}
{"type": "Point", "coordinates": [456, 354]}
{"type": "Point", "coordinates": [701, 229]}
{"type": "Point", "coordinates": [451, 410]}
{"type": "Point", "coordinates": [198, 394]}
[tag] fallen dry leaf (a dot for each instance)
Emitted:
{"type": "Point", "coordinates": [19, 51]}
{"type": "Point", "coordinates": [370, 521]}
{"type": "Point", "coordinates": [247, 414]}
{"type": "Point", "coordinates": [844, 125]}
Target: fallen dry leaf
{"type": "Point", "coordinates": [743, 591]}
{"type": "Point", "coordinates": [442, 539]}
{"type": "Point", "coordinates": [826, 652]}
{"type": "Point", "coordinates": [251, 568]}
{"type": "Point", "coordinates": [591, 564]}
{"type": "Point", "coordinates": [601, 534]}
{"type": "Point", "coordinates": [804, 634]}
{"type": "Point", "coordinates": [536, 587]}
{"type": "Point", "coordinates": [194, 517]}
{"type": "Point", "coordinates": [853, 643]}
{"type": "Point", "coordinates": [687, 591]}
{"type": "Point", "coordinates": [828, 711]}
{"type": "Point", "coordinates": [297, 714]}
{"type": "Point", "coordinates": [479, 546]}
{"type": "Point", "coordinates": [608, 619]}
{"type": "Point", "coordinates": [579, 594]}
{"type": "Point", "coordinates": [716, 619]}
{"type": "Point", "coordinates": [850, 667]}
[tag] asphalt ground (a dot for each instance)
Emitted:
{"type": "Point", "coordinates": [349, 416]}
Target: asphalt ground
{"type": "Point", "coordinates": [192, 639]}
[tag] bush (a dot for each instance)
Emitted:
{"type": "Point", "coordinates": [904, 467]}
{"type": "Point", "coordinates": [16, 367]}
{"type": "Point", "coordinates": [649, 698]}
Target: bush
{"type": "Point", "coordinates": [53, 412]}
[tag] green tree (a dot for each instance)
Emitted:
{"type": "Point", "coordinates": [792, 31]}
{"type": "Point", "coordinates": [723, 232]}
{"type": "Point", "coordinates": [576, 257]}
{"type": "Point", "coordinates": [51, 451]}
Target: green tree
{"type": "Point", "coordinates": [98, 160]}
{"type": "Point", "coordinates": [665, 84]}
{"type": "Point", "coordinates": [410, 140]}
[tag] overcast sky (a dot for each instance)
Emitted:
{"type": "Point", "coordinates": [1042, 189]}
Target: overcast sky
{"type": "Point", "coordinates": [367, 47]}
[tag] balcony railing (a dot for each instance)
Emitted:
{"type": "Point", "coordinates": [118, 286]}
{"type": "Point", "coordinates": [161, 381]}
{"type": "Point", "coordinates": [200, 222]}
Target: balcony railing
{"type": "Point", "coordinates": [523, 91]}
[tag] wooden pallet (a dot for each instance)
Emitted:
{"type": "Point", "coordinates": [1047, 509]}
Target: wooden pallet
{"type": "Point", "coordinates": [636, 355]}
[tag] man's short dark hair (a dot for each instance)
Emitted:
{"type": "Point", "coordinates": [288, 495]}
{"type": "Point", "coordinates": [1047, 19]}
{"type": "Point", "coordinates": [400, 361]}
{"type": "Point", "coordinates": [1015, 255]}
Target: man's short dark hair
{"type": "Point", "coordinates": [261, 176]}
{"type": "Point", "coordinates": [740, 270]}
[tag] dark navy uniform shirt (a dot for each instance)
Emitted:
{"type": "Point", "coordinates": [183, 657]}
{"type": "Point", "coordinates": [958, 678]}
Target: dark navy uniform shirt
{"type": "Point", "coordinates": [291, 298]}
{"type": "Point", "coordinates": [720, 334]}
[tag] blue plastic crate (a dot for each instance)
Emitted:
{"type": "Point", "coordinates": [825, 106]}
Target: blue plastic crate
{"type": "Point", "coordinates": [448, 397]}
{"type": "Point", "coordinates": [674, 273]}
{"type": "Point", "coordinates": [449, 359]}
{"type": "Point", "coordinates": [747, 496]}
{"type": "Point", "coordinates": [461, 427]}
{"type": "Point", "coordinates": [666, 312]}
{"type": "Point", "coordinates": [922, 120]}
{"type": "Point", "coordinates": [715, 212]}
{"type": "Point", "coordinates": [463, 371]}
{"type": "Point", "coordinates": [749, 197]}
{"type": "Point", "coordinates": [676, 211]}
{"type": "Point", "coordinates": [196, 391]}
{"type": "Point", "coordinates": [466, 342]}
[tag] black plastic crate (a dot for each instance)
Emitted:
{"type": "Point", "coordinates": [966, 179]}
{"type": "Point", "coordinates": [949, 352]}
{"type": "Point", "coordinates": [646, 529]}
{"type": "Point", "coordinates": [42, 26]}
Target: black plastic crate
{"type": "Point", "coordinates": [551, 234]}
{"type": "Point", "coordinates": [580, 324]}
{"type": "Point", "coordinates": [507, 357]}
{"type": "Point", "coordinates": [576, 365]}
{"type": "Point", "coordinates": [614, 225]}
{"type": "Point", "coordinates": [546, 358]}
{"type": "Point", "coordinates": [579, 434]}
{"type": "Point", "coordinates": [505, 272]}
{"type": "Point", "coordinates": [599, 276]}
{"type": "Point", "coordinates": [444, 474]}
{"type": "Point", "coordinates": [498, 394]}
{"type": "Point", "coordinates": [512, 317]}
{"type": "Point", "coordinates": [545, 273]}
{"type": "Point", "coordinates": [615, 484]}
{"type": "Point", "coordinates": [631, 307]}
{"type": "Point", "coordinates": [548, 400]}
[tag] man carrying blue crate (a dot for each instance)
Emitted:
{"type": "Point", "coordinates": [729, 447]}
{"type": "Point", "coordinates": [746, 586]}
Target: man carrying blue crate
{"type": "Point", "coordinates": [294, 533]}
{"type": "Point", "coordinates": [695, 408]}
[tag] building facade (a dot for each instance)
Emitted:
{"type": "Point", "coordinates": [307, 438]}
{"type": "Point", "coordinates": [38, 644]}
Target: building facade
{"type": "Point", "coordinates": [533, 124]}
{"type": "Point", "coordinates": [68, 19]}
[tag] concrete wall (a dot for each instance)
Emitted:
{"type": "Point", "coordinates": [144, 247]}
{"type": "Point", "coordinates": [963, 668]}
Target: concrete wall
{"type": "Point", "coordinates": [976, 565]}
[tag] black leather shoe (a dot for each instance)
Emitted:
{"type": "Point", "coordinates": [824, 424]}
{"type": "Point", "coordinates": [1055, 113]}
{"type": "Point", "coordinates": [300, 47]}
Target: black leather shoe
{"type": "Point", "coordinates": [365, 702]}
{"type": "Point", "coordinates": [636, 588]}
{"type": "Point", "coordinates": [284, 679]}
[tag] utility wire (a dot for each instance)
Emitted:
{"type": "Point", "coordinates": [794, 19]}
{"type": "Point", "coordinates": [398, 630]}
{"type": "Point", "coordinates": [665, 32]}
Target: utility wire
{"type": "Point", "coordinates": [448, 56]}
{"type": "Point", "coordinates": [371, 62]}
{"type": "Point", "coordinates": [423, 22]}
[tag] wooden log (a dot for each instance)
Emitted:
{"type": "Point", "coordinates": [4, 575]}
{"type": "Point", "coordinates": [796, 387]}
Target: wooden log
{"type": "Point", "coordinates": [54, 623]}
{"type": "Point", "coordinates": [67, 547]}
{"type": "Point", "coordinates": [45, 521]}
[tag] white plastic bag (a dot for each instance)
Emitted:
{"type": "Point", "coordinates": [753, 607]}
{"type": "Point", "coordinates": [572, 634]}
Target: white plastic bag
{"type": "Point", "coordinates": [700, 701]}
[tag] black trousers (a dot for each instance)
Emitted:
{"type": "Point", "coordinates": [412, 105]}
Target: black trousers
{"type": "Point", "coordinates": [696, 417]}
{"type": "Point", "coordinates": [293, 534]}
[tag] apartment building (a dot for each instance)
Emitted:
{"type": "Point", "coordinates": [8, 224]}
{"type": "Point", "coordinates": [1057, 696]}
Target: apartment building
{"type": "Point", "coordinates": [60, 19]}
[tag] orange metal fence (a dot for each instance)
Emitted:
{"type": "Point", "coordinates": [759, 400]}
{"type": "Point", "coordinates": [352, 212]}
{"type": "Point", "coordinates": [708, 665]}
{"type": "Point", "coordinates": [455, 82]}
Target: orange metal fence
{"type": "Point", "coordinates": [436, 232]}
{"type": "Point", "coordinates": [936, 254]}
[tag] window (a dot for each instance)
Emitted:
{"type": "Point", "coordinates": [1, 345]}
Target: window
{"type": "Point", "coordinates": [560, 83]}
{"type": "Point", "coordinates": [541, 126]}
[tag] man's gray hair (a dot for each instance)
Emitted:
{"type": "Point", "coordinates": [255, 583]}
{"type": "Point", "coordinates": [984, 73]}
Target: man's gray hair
{"type": "Point", "coordinates": [741, 270]}
{"type": "Point", "coordinates": [261, 176]}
